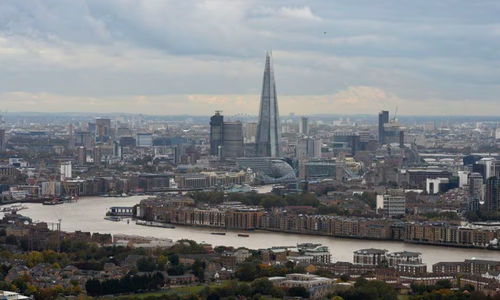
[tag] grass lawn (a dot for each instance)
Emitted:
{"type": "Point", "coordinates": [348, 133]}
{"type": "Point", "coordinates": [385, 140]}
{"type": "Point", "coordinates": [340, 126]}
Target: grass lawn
{"type": "Point", "coordinates": [403, 297]}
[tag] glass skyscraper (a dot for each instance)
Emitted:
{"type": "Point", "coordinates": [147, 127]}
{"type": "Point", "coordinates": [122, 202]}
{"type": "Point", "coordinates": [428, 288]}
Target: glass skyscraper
{"type": "Point", "coordinates": [268, 128]}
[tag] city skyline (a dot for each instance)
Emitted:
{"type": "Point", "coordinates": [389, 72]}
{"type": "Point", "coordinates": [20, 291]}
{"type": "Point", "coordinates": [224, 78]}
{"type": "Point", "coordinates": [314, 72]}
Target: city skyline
{"type": "Point", "coordinates": [333, 57]}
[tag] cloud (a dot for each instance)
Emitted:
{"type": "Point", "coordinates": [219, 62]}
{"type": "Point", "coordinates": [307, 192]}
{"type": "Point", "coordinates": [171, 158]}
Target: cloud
{"type": "Point", "coordinates": [303, 13]}
{"type": "Point", "coordinates": [157, 51]}
{"type": "Point", "coordinates": [352, 100]}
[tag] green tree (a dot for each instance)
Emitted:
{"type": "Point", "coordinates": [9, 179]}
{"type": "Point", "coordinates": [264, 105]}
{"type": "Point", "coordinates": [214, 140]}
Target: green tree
{"type": "Point", "coordinates": [247, 271]}
{"type": "Point", "coordinates": [146, 264]}
{"type": "Point", "coordinates": [262, 286]}
{"type": "Point", "coordinates": [298, 291]}
{"type": "Point", "coordinates": [93, 287]}
{"type": "Point", "coordinates": [174, 259]}
{"type": "Point", "coordinates": [198, 268]}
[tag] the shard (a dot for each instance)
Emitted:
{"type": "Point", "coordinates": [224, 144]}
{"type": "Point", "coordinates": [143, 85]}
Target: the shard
{"type": "Point", "coordinates": [268, 128]}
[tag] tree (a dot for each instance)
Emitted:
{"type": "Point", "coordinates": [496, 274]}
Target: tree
{"type": "Point", "coordinates": [157, 281]}
{"type": "Point", "coordinates": [176, 270]}
{"type": "Point", "coordinates": [262, 286]}
{"type": "Point", "coordinates": [93, 287]}
{"type": "Point", "coordinates": [298, 291]}
{"type": "Point", "coordinates": [33, 258]}
{"type": "Point", "coordinates": [198, 268]}
{"type": "Point", "coordinates": [162, 262]}
{"type": "Point", "coordinates": [344, 277]}
{"type": "Point", "coordinates": [146, 264]}
{"type": "Point", "coordinates": [174, 259]}
{"type": "Point", "coordinates": [369, 290]}
{"type": "Point", "coordinates": [244, 289]}
{"type": "Point", "coordinates": [443, 284]}
{"type": "Point", "coordinates": [247, 271]}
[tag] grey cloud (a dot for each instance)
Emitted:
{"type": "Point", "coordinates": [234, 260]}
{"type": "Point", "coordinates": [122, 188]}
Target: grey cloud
{"type": "Point", "coordinates": [426, 49]}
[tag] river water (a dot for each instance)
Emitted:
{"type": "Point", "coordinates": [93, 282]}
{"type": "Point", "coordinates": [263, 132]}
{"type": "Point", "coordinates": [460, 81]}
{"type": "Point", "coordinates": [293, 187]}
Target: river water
{"type": "Point", "coordinates": [88, 215]}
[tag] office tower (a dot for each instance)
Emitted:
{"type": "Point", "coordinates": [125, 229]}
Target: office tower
{"type": "Point", "coordinates": [144, 140]}
{"type": "Point", "coordinates": [496, 168]}
{"type": "Point", "coordinates": [92, 128]}
{"type": "Point", "coordinates": [497, 132]}
{"type": "Point", "coordinates": [232, 142]}
{"type": "Point", "coordinates": [117, 149]}
{"type": "Point", "coordinates": [347, 140]}
{"type": "Point", "coordinates": [475, 191]}
{"type": "Point", "coordinates": [250, 132]}
{"type": "Point", "coordinates": [3, 143]}
{"type": "Point", "coordinates": [216, 134]}
{"type": "Point", "coordinates": [383, 118]}
{"type": "Point", "coordinates": [304, 125]}
{"type": "Point", "coordinates": [97, 155]}
{"type": "Point", "coordinates": [226, 138]}
{"type": "Point", "coordinates": [489, 166]}
{"type": "Point", "coordinates": [83, 139]}
{"type": "Point", "coordinates": [66, 171]}
{"type": "Point", "coordinates": [481, 169]}
{"type": "Point", "coordinates": [391, 205]}
{"type": "Point", "coordinates": [268, 128]}
{"type": "Point", "coordinates": [463, 178]}
{"type": "Point", "coordinates": [81, 154]}
{"type": "Point", "coordinates": [308, 148]}
{"type": "Point", "coordinates": [103, 129]}
{"type": "Point", "coordinates": [492, 196]}
{"type": "Point", "coordinates": [123, 131]}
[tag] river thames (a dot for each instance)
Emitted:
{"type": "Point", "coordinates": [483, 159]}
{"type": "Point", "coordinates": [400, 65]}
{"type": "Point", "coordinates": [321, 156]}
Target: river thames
{"type": "Point", "coordinates": [88, 215]}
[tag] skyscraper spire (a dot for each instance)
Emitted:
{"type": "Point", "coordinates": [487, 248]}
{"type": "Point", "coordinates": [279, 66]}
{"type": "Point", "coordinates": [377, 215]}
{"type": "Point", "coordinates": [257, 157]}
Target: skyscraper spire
{"type": "Point", "coordinates": [268, 129]}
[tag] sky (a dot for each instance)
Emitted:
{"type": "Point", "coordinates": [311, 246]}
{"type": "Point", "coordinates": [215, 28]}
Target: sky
{"type": "Point", "coordinates": [426, 57]}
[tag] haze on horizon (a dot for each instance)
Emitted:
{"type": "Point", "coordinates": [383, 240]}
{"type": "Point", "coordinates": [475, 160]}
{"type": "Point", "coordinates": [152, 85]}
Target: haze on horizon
{"type": "Point", "coordinates": [193, 57]}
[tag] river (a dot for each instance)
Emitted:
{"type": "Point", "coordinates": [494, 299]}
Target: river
{"type": "Point", "coordinates": [88, 215]}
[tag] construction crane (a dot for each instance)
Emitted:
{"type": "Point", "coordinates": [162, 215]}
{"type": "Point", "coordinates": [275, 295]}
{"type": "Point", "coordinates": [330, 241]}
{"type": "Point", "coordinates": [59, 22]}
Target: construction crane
{"type": "Point", "coordinates": [395, 115]}
{"type": "Point", "coordinates": [50, 179]}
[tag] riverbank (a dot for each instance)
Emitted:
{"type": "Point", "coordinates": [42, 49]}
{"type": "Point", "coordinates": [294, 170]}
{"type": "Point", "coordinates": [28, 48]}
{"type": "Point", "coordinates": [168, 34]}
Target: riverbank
{"type": "Point", "coordinates": [88, 215]}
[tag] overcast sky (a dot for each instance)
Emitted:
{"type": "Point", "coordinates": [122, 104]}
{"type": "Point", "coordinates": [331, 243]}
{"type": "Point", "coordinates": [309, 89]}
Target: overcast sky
{"type": "Point", "coordinates": [192, 57]}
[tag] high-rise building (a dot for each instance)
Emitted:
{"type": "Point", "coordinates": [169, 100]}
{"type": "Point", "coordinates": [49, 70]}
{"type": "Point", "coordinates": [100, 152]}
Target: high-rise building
{"type": "Point", "coordinates": [226, 138]}
{"type": "Point", "coordinates": [393, 133]}
{"type": "Point", "coordinates": [489, 166]}
{"type": "Point", "coordinates": [216, 133]}
{"type": "Point", "coordinates": [308, 148]}
{"type": "Point", "coordinates": [475, 191]}
{"type": "Point", "coordinates": [83, 139]}
{"type": "Point", "coordinates": [117, 149]}
{"type": "Point", "coordinates": [3, 143]}
{"type": "Point", "coordinates": [492, 196]}
{"type": "Point", "coordinates": [304, 125]}
{"type": "Point", "coordinates": [463, 178]}
{"type": "Point", "coordinates": [103, 129]}
{"type": "Point", "coordinates": [92, 128]}
{"type": "Point", "coordinates": [250, 132]}
{"type": "Point", "coordinates": [391, 205]}
{"type": "Point", "coordinates": [268, 128]}
{"type": "Point", "coordinates": [497, 133]}
{"type": "Point", "coordinates": [81, 154]}
{"type": "Point", "coordinates": [232, 142]}
{"type": "Point", "coordinates": [383, 118]}
{"type": "Point", "coordinates": [66, 170]}
{"type": "Point", "coordinates": [144, 140]}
